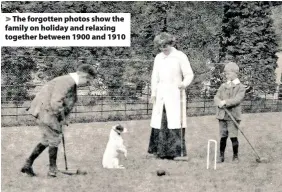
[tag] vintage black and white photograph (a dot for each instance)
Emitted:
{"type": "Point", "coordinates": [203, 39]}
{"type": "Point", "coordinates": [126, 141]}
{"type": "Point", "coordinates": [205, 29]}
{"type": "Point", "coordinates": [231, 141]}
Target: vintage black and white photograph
{"type": "Point", "coordinates": [193, 104]}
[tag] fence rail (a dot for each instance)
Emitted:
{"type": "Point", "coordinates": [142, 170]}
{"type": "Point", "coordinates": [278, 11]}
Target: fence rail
{"type": "Point", "coordinates": [20, 84]}
{"type": "Point", "coordinates": [107, 108]}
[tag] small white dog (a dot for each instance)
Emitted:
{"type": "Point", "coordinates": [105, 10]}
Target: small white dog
{"type": "Point", "coordinates": [115, 144]}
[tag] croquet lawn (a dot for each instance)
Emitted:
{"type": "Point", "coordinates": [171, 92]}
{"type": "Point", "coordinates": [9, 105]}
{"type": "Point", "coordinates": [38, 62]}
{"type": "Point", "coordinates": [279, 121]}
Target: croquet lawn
{"type": "Point", "coordinates": [85, 144]}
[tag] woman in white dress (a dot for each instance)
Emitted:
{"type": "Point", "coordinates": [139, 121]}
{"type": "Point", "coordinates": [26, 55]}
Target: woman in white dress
{"type": "Point", "coordinates": [171, 74]}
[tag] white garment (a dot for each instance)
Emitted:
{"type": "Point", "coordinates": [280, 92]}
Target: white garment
{"type": "Point", "coordinates": [75, 77]}
{"type": "Point", "coordinates": [168, 72]}
{"type": "Point", "coordinates": [235, 81]}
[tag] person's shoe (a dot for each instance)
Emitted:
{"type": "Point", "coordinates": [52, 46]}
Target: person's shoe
{"type": "Point", "coordinates": [52, 172]}
{"type": "Point", "coordinates": [220, 158]}
{"type": "Point", "coordinates": [28, 170]}
{"type": "Point", "coordinates": [166, 157]}
{"type": "Point", "coordinates": [169, 158]}
{"type": "Point", "coordinates": [53, 159]}
{"type": "Point", "coordinates": [235, 159]}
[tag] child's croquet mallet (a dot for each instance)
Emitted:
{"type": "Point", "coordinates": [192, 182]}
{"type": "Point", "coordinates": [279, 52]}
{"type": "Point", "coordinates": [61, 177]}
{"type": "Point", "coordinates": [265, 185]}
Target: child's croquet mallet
{"type": "Point", "coordinates": [258, 158]}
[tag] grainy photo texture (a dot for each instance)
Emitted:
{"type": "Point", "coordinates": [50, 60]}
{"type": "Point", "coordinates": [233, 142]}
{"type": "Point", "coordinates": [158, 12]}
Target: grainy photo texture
{"type": "Point", "coordinates": [193, 104]}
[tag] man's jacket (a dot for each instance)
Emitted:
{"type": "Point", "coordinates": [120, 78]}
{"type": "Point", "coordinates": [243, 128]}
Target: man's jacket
{"type": "Point", "coordinates": [54, 101]}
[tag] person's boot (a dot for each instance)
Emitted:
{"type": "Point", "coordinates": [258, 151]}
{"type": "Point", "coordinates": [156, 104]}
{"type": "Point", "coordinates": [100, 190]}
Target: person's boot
{"type": "Point", "coordinates": [27, 168]}
{"type": "Point", "coordinates": [53, 161]}
{"type": "Point", "coordinates": [221, 158]}
{"type": "Point", "coordinates": [222, 149]}
{"type": "Point", "coordinates": [235, 146]}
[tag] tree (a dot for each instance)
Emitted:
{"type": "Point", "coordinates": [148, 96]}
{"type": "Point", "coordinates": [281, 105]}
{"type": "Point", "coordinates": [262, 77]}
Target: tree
{"type": "Point", "coordinates": [197, 26]}
{"type": "Point", "coordinates": [16, 67]}
{"type": "Point", "coordinates": [249, 39]}
{"type": "Point", "coordinates": [277, 18]}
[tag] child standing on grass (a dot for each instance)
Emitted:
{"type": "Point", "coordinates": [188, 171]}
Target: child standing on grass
{"type": "Point", "coordinates": [230, 95]}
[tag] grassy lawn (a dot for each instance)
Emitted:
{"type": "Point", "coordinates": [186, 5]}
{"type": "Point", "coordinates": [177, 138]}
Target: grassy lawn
{"type": "Point", "coordinates": [85, 145]}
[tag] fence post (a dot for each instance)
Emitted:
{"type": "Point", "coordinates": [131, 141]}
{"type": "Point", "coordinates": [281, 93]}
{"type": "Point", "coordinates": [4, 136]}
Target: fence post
{"type": "Point", "coordinates": [272, 103]}
{"type": "Point", "coordinates": [187, 99]}
{"type": "Point", "coordinates": [277, 100]}
{"type": "Point", "coordinates": [75, 113]}
{"type": "Point", "coordinates": [205, 101]}
{"type": "Point", "coordinates": [17, 112]}
{"type": "Point", "coordinates": [251, 104]}
{"type": "Point", "coordinates": [102, 106]}
{"type": "Point", "coordinates": [125, 102]}
{"type": "Point", "coordinates": [264, 100]}
{"type": "Point", "coordinates": [147, 100]}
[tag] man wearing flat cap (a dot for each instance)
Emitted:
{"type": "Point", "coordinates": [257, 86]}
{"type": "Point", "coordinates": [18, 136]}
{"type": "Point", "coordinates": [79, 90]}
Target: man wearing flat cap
{"type": "Point", "coordinates": [50, 107]}
{"type": "Point", "coordinates": [230, 95]}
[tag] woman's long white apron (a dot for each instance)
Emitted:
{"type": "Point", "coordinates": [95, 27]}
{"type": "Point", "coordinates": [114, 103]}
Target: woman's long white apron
{"type": "Point", "coordinates": [169, 97]}
{"type": "Point", "coordinates": [168, 73]}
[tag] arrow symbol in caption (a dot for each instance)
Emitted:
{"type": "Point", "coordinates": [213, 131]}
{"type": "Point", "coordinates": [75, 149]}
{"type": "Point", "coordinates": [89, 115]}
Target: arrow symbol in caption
{"type": "Point", "coordinates": [8, 18]}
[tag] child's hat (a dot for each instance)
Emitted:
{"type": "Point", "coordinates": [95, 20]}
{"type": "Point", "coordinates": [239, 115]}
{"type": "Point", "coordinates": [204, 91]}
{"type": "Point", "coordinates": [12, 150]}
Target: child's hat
{"type": "Point", "coordinates": [231, 67]}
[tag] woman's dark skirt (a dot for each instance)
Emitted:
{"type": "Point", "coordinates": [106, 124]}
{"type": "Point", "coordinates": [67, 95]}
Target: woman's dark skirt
{"type": "Point", "coordinates": [166, 143]}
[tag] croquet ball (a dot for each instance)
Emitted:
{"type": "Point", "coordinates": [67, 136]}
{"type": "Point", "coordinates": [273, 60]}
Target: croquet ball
{"type": "Point", "coordinates": [161, 172]}
{"type": "Point", "coordinates": [81, 172]}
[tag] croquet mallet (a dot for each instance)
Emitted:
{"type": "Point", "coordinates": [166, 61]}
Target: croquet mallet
{"type": "Point", "coordinates": [181, 121]}
{"type": "Point", "coordinates": [258, 158]}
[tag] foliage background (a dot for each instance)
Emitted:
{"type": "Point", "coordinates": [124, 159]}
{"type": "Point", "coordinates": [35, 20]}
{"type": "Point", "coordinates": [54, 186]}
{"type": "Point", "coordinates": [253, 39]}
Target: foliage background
{"type": "Point", "coordinates": [198, 26]}
{"type": "Point", "coordinates": [249, 39]}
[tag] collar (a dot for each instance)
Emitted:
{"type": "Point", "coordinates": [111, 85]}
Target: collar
{"type": "Point", "coordinates": [173, 51]}
{"type": "Point", "coordinates": [116, 131]}
{"type": "Point", "coordinates": [75, 77]}
{"type": "Point", "coordinates": [235, 81]}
